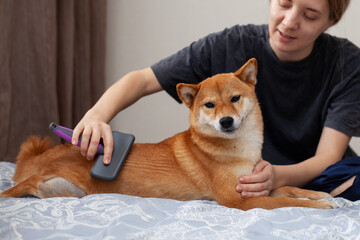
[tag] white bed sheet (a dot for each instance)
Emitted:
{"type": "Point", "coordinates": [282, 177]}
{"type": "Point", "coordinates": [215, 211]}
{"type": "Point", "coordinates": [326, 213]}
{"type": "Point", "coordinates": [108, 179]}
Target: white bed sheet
{"type": "Point", "coordinates": [116, 216]}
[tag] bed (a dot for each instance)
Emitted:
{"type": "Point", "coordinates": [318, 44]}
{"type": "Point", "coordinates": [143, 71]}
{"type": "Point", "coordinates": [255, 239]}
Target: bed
{"type": "Point", "coordinates": [116, 216]}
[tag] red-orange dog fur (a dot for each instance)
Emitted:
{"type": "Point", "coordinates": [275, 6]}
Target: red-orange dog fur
{"type": "Point", "coordinates": [223, 143]}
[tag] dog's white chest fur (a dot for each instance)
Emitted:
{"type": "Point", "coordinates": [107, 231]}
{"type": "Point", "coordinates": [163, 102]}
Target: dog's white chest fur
{"type": "Point", "coordinates": [242, 170]}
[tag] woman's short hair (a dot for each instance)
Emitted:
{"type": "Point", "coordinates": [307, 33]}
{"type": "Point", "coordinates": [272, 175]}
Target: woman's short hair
{"type": "Point", "coordinates": [337, 9]}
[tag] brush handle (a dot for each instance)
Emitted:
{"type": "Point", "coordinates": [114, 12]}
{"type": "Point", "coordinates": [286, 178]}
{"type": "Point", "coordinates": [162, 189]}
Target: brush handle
{"type": "Point", "coordinates": [66, 133]}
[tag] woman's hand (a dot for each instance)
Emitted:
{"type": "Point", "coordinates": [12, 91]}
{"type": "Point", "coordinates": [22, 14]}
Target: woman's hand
{"type": "Point", "coordinates": [260, 183]}
{"type": "Point", "coordinates": [91, 132]}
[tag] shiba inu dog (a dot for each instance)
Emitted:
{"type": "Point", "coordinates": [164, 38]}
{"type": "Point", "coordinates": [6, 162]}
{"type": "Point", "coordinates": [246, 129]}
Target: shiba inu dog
{"type": "Point", "coordinates": [224, 142]}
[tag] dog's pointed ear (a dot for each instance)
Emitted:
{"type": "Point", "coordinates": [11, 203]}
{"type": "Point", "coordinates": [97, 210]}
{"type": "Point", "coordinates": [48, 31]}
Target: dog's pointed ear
{"type": "Point", "coordinates": [247, 73]}
{"type": "Point", "coordinates": [187, 93]}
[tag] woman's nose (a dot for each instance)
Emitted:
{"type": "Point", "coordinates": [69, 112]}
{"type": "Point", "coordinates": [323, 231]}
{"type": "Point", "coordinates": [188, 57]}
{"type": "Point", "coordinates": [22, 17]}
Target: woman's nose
{"type": "Point", "coordinates": [291, 19]}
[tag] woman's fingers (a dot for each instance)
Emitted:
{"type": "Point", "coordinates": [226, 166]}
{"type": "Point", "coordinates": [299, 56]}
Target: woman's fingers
{"type": "Point", "coordinates": [90, 134]}
{"type": "Point", "coordinates": [258, 184]}
{"type": "Point", "coordinates": [108, 144]}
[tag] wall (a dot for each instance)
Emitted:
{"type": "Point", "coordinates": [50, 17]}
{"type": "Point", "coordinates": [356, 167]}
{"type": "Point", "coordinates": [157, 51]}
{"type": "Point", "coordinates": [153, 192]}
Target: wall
{"type": "Point", "coordinates": [141, 32]}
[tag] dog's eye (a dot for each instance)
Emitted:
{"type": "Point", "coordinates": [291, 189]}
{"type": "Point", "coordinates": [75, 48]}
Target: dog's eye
{"type": "Point", "coordinates": [235, 99]}
{"type": "Point", "coordinates": [209, 105]}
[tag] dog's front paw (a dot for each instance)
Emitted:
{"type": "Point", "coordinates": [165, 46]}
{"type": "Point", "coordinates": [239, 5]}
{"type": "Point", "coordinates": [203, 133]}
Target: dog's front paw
{"type": "Point", "coordinates": [322, 195]}
{"type": "Point", "coordinates": [315, 195]}
{"type": "Point", "coordinates": [327, 205]}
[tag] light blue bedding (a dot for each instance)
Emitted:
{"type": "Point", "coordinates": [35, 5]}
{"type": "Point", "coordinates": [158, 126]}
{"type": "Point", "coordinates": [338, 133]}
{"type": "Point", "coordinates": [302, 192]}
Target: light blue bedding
{"type": "Point", "coordinates": [116, 216]}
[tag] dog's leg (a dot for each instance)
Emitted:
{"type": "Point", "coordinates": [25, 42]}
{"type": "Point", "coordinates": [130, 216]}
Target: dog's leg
{"type": "Point", "coordinates": [28, 187]}
{"type": "Point", "coordinates": [295, 192]}
{"type": "Point", "coordinates": [36, 186]}
{"type": "Point", "coordinates": [232, 199]}
{"type": "Point", "coordinates": [277, 202]}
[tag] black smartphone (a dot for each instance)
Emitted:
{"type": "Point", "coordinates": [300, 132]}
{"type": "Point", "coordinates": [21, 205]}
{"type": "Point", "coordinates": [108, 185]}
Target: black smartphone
{"type": "Point", "coordinates": [122, 145]}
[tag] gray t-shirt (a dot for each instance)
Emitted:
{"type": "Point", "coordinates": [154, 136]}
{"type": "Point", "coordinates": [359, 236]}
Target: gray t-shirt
{"type": "Point", "coordinates": [297, 99]}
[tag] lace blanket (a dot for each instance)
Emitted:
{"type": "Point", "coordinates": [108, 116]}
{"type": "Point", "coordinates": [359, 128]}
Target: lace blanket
{"type": "Point", "coordinates": [116, 216]}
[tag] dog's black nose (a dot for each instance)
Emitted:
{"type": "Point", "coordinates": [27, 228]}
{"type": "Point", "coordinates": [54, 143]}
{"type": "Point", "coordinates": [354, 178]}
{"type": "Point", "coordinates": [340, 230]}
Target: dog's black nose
{"type": "Point", "coordinates": [226, 122]}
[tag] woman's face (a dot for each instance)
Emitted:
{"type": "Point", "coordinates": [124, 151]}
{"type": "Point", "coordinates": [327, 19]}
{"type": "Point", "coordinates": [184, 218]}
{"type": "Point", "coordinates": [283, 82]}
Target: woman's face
{"type": "Point", "coordinates": [294, 25]}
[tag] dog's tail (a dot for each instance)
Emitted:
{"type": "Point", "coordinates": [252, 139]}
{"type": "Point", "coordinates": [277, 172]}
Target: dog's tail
{"type": "Point", "coordinates": [33, 146]}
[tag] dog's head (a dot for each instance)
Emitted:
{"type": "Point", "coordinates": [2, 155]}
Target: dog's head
{"type": "Point", "coordinates": [221, 104]}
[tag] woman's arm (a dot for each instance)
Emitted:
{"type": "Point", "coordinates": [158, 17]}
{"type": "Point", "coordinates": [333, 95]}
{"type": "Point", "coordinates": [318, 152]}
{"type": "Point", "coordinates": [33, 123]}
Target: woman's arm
{"type": "Point", "coordinates": [331, 148]}
{"type": "Point", "coordinates": [94, 124]}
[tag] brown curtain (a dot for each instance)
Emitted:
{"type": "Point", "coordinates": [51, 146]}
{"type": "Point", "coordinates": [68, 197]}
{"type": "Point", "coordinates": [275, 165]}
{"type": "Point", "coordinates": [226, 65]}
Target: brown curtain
{"type": "Point", "coordinates": [52, 55]}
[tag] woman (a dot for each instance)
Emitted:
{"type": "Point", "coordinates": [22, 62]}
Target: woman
{"type": "Point", "coordinates": [308, 85]}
